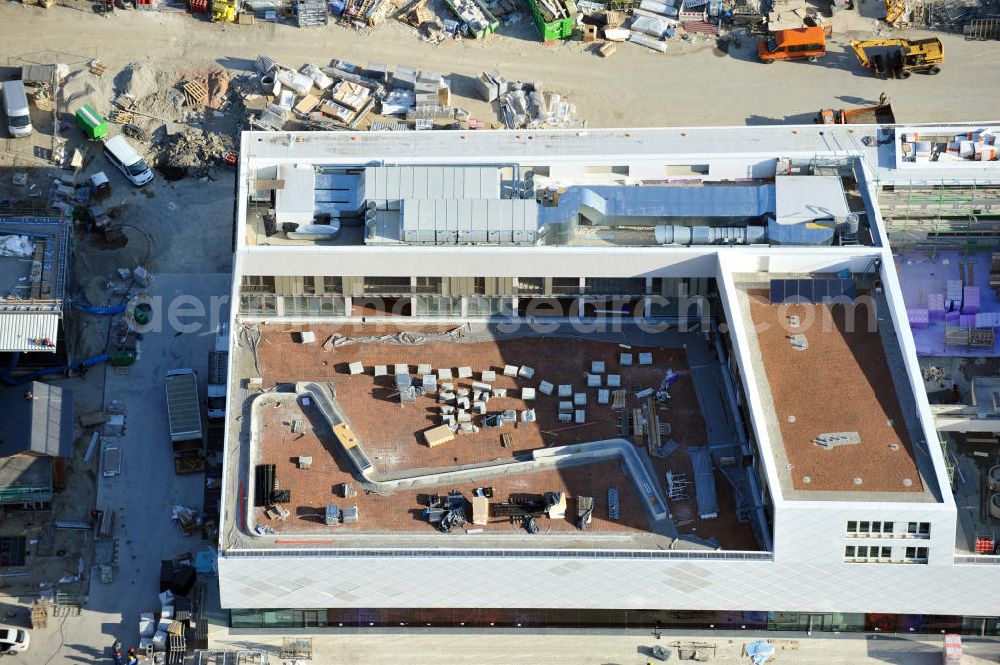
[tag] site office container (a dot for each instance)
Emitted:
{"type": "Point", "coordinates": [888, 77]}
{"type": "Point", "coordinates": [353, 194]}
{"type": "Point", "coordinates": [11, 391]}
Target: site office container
{"type": "Point", "coordinates": [553, 30]}
{"type": "Point", "coordinates": [91, 122]}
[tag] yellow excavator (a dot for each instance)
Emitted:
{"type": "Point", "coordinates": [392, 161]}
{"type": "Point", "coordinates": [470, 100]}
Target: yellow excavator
{"type": "Point", "coordinates": [223, 11]}
{"type": "Point", "coordinates": [899, 58]}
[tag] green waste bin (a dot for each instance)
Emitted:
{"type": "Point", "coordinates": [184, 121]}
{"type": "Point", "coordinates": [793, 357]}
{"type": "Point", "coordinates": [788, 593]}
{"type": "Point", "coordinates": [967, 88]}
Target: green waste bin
{"type": "Point", "coordinates": [91, 122]}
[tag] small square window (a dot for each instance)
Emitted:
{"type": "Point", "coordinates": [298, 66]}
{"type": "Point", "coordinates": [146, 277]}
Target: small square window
{"type": "Point", "coordinates": [852, 527]}
{"type": "Point", "coordinates": [862, 551]}
{"type": "Point", "coordinates": [849, 552]}
{"type": "Point", "coordinates": [887, 527]}
{"type": "Point", "coordinates": [876, 527]}
{"type": "Point", "coordinates": [886, 553]}
{"type": "Point", "coordinates": [921, 552]}
{"type": "Point", "coordinates": [866, 527]}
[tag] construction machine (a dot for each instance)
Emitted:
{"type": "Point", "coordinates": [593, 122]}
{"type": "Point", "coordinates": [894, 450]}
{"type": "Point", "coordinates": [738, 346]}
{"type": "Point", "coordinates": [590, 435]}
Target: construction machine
{"type": "Point", "coordinates": [877, 114]}
{"type": "Point", "coordinates": [223, 11]}
{"type": "Point", "coordinates": [899, 58]}
{"type": "Point", "coordinates": [894, 11]}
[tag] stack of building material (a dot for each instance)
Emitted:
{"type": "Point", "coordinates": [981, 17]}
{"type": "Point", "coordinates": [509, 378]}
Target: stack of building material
{"type": "Point", "coordinates": [398, 102]}
{"type": "Point", "coordinates": [648, 41]}
{"type": "Point", "coordinates": [310, 13]}
{"type": "Point", "coordinates": [919, 317]}
{"type": "Point", "coordinates": [788, 14]}
{"type": "Point", "coordinates": [528, 106]}
{"type": "Point", "coordinates": [479, 21]}
{"type": "Point", "coordinates": [970, 300]}
{"type": "Point", "coordinates": [935, 305]}
{"type": "Point", "coordinates": [953, 294]}
{"type": "Point", "coordinates": [491, 85]}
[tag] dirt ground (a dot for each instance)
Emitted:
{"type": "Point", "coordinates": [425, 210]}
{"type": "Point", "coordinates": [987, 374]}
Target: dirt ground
{"type": "Point", "coordinates": [635, 87]}
{"type": "Point", "coordinates": [841, 383]}
{"type": "Point", "coordinates": [392, 436]}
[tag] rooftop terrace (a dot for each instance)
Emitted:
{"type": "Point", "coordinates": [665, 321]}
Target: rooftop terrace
{"type": "Point", "coordinates": [391, 434]}
{"type": "Point", "coordinates": [833, 400]}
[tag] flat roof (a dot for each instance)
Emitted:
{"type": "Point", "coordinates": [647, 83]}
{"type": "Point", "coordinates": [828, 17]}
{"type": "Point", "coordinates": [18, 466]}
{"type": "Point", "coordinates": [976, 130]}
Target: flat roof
{"type": "Point", "coordinates": [547, 146]}
{"type": "Point", "coordinates": [833, 404]}
{"type": "Point", "coordinates": [392, 436]}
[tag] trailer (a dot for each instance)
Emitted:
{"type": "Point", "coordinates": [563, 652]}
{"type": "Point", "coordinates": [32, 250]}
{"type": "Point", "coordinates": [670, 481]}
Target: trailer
{"type": "Point", "coordinates": [184, 416]}
{"type": "Point", "coordinates": [183, 405]}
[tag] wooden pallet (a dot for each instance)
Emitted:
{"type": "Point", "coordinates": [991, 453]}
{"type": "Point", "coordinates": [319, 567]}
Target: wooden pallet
{"type": "Point", "coordinates": [98, 69]}
{"type": "Point", "coordinates": [189, 464]}
{"type": "Point", "coordinates": [196, 93]}
{"type": "Point", "coordinates": [39, 615]}
{"type": "Point", "coordinates": [506, 440]}
{"type": "Point", "coordinates": [121, 116]}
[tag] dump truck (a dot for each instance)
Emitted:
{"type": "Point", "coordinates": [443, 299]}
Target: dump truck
{"type": "Point", "coordinates": [794, 44]}
{"type": "Point", "coordinates": [899, 58]}
{"type": "Point", "coordinates": [184, 416]}
{"type": "Point", "coordinates": [877, 114]}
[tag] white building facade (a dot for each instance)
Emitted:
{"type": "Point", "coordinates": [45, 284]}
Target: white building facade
{"type": "Point", "coordinates": [811, 572]}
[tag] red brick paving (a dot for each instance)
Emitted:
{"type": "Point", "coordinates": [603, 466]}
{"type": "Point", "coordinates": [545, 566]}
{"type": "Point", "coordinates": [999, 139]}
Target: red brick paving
{"type": "Point", "coordinates": [391, 433]}
{"type": "Point", "coordinates": [841, 383]}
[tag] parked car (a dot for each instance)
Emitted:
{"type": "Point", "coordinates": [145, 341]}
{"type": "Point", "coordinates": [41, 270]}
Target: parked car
{"type": "Point", "coordinates": [128, 160]}
{"type": "Point", "coordinates": [14, 641]}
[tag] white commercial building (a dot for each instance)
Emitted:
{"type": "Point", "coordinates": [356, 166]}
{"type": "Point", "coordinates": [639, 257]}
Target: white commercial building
{"type": "Point", "coordinates": [708, 230]}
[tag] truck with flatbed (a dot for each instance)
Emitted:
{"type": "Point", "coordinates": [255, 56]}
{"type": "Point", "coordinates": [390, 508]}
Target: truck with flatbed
{"type": "Point", "coordinates": [184, 417]}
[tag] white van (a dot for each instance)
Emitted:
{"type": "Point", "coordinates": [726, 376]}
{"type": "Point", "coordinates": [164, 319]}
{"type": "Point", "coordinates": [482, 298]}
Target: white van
{"type": "Point", "coordinates": [15, 104]}
{"type": "Point", "coordinates": [128, 160]}
{"type": "Point", "coordinates": [14, 641]}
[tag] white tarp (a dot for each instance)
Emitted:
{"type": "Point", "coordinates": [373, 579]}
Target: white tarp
{"type": "Point", "coordinates": [20, 246]}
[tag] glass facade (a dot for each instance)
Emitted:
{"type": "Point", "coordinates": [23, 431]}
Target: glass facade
{"type": "Point", "coordinates": [829, 622]}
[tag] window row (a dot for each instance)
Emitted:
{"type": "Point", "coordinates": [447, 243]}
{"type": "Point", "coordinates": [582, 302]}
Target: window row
{"type": "Point", "coordinates": [339, 285]}
{"type": "Point", "coordinates": [649, 619]}
{"type": "Point", "coordinates": [868, 529]}
{"type": "Point", "coordinates": [884, 554]}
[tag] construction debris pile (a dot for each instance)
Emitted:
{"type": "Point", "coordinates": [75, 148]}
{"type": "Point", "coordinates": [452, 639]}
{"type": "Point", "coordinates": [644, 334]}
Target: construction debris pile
{"type": "Point", "coordinates": [958, 15]}
{"type": "Point", "coordinates": [179, 120]}
{"type": "Point", "coordinates": [345, 96]}
{"type": "Point", "coordinates": [979, 146]}
{"type": "Point", "coordinates": [191, 148]}
{"type": "Point", "coordinates": [526, 105]}
{"type": "Point", "coordinates": [649, 23]}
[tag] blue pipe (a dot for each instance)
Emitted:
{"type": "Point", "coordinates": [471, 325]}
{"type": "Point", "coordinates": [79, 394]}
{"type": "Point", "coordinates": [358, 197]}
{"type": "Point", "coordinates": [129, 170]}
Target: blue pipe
{"type": "Point", "coordinates": [90, 309]}
{"type": "Point", "coordinates": [89, 362]}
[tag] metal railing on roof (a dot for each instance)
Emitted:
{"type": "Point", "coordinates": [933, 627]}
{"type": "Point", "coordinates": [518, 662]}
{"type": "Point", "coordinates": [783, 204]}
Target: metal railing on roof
{"type": "Point", "coordinates": [306, 552]}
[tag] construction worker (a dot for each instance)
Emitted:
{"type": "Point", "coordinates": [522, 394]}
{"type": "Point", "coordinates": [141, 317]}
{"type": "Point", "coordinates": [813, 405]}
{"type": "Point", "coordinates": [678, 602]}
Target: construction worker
{"type": "Point", "coordinates": [133, 659]}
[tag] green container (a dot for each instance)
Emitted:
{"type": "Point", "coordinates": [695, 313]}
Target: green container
{"type": "Point", "coordinates": [553, 30]}
{"type": "Point", "coordinates": [91, 122]}
{"type": "Point", "coordinates": [142, 313]}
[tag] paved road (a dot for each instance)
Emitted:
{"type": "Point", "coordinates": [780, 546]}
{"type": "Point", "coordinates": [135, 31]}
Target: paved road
{"type": "Point", "coordinates": [510, 648]}
{"type": "Point", "coordinates": [689, 85]}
